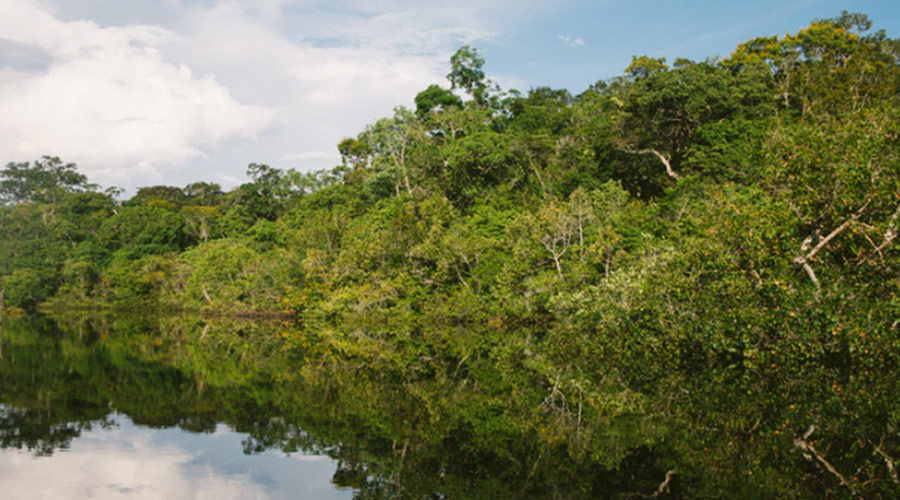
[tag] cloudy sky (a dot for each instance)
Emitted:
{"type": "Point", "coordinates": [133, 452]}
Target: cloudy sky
{"type": "Point", "coordinates": [144, 92]}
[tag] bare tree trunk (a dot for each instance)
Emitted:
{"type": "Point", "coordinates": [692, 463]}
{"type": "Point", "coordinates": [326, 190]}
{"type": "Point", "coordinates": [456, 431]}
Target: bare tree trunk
{"type": "Point", "coordinates": [551, 246]}
{"type": "Point", "coordinates": [403, 167]}
{"type": "Point", "coordinates": [537, 174]}
{"type": "Point", "coordinates": [558, 266]}
{"type": "Point", "coordinates": [406, 182]}
{"type": "Point", "coordinates": [581, 239]}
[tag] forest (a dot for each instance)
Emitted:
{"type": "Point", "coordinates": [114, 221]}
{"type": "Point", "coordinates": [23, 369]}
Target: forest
{"type": "Point", "coordinates": [693, 266]}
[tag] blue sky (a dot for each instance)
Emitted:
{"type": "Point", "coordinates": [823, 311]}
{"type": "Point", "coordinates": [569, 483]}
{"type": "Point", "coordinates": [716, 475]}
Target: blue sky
{"type": "Point", "coordinates": [146, 92]}
{"type": "Point", "coordinates": [613, 31]}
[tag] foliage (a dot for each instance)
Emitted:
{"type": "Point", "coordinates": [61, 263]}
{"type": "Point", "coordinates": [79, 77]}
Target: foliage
{"type": "Point", "coordinates": [44, 180]}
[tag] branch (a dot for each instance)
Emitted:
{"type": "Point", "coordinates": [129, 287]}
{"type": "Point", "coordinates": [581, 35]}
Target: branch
{"type": "Point", "coordinates": [840, 229]}
{"type": "Point", "coordinates": [806, 446]}
{"type": "Point", "coordinates": [803, 260]}
{"type": "Point", "coordinates": [892, 468]}
{"type": "Point", "coordinates": [811, 273]}
{"type": "Point", "coordinates": [891, 232]}
{"type": "Point", "coordinates": [671, 173]}
{"type": "Point", "coordinates": [664, 486]}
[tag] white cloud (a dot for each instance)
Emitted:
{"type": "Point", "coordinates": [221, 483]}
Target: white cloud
{"type": "Point", "coordinates": [571, 42]}
{"type": "Point", "coordinates": [220, 83]}
{"type": "Point", "coordinates": [312, 155]}
{"type": "Point", "coordinates": [110, 101]}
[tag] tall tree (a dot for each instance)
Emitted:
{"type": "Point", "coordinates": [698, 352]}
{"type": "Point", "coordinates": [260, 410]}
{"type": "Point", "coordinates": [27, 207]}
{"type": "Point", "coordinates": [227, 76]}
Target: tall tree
{"type": "Point", "coordinates": [390, 141]}
{"type": "Point", "coordinates": [467, 73]}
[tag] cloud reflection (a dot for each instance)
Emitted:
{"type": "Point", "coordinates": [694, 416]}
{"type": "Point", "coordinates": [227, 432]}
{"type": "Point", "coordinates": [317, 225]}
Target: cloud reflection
{"type": "Point", "coordinates": [133, 462]}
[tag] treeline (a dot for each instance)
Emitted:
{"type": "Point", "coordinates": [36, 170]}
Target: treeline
{"type": "Point", "coordinates": [713, 242]}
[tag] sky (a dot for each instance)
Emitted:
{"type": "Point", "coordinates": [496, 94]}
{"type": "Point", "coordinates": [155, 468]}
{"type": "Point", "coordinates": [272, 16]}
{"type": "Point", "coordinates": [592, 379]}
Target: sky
{"type": "Point", "coordinates": [150, 92]}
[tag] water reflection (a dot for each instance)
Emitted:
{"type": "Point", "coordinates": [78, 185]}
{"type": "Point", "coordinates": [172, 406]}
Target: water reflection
{"type": "Point", "coordinates": [60, 389]}
{"type": "Point", "coordinates": [118, 459]}
{"type": "Point", "coordinates": [247, 409]}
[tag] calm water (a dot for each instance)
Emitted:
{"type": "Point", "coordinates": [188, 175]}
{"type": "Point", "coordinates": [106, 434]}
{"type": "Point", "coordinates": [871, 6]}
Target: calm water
{"type": "Point", "coordinates": [63, 434]}
{"type": "Point", "coordinates": [118, 459]}
{"type": "Point", "coordinates": [180, 407]}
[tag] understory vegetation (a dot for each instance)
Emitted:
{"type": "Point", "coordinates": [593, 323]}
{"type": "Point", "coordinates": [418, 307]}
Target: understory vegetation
{"type": "Point", "coordinates": [690, 271]}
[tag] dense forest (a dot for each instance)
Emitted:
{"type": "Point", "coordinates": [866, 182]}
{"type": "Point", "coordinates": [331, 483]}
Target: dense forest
{"type": "Point", "coordinates": [692, 265]}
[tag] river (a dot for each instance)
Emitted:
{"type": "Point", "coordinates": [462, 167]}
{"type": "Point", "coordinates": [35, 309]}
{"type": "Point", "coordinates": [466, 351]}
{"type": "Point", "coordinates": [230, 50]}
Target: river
{"type": "Point", "coordinates": [145, 406]}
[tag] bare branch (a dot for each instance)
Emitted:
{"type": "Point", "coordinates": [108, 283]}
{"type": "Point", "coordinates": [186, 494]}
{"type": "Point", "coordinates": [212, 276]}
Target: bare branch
{"type": "Point", "coordinates": [803, 260]}
{"type": "Point", "coordinates": [811, 273]}
{"type": "Point", "coordinates": [892, 468]}
{"type": "Point", "coordinates": [808, 447]}
{"type": "Point", "coordinates": [665, 161]}
{"type": "Point", "coordinates": [664, 486]}
{"type": "Point", "coordinates": [891, 232]}
{"type": "Point", "coordinates": [840, 229]}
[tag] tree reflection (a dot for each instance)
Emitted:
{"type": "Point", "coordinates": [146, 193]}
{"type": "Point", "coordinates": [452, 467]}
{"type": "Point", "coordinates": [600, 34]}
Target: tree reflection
{"type": "Point", "coordinates": [444, 435]}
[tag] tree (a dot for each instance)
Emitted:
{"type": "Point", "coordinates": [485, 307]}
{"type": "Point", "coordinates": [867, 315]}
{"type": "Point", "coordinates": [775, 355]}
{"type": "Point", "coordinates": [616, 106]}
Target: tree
{"type": "Point", "coordinates": [354, 152]}
{"type": "Point", "coordinates": [466, 70]}
{"type": "Point", "coordinates": [664, 108]}
{"type": "Point", "coordinates": [466, 73]}
{"type": "Point", "coordinates": [200, 220]}
{"type": "Point", "coordinates": [390, 141]}
{"type": "Point", "coordinates": [137, 230]}
{"type": "Point", "coordinates": [435, 98]}
{"type": "Point", "coordinates": [263, 196]}
{"type": "Point", "coordinates": [831, 65]}
{"type": "Point", "coordinates": [169, 194]}
{"type": "Point", "coordinates": [556, 226]}
{"type": "Point", "coordinates": [644, 66]}
{"type": "Point", "coordinates": [203, 193]}
{"type": "Point", "coordinates": [44, 181]}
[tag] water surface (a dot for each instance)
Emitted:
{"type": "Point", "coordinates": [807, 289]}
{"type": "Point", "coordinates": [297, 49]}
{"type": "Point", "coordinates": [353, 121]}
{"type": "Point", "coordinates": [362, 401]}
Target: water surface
{"type": "Point", "coordinates": [116, 458]}
{"type": "Point", "coordinates": [103, 413]}
{"type": "Point", "coordinates": [182, 407]}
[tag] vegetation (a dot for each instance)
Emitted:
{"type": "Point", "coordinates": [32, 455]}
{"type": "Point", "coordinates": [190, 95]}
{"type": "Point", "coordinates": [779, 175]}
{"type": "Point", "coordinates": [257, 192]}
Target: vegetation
{"type": "Point", "coordinates": [691, 269]}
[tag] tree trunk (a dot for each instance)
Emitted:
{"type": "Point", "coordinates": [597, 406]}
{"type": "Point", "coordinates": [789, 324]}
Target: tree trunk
{"type": "Point", "coordinates": [406, 182]}
{"type": "Point", "coordinates": [558, 265]}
